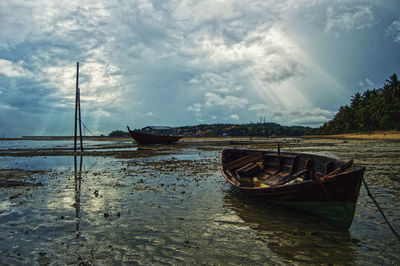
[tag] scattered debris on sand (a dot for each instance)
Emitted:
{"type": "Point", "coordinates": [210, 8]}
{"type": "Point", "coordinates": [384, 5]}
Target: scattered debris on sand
{"type": "Point", "coordinates": [18, 177]}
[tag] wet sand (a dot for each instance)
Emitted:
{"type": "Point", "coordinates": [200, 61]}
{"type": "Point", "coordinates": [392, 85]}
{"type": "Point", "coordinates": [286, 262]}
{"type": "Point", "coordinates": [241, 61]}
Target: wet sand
{"type": "Point", "coordinates": [119, 203]}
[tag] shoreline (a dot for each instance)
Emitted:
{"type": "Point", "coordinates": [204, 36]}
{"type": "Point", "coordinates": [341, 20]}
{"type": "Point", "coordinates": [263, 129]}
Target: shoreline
{"type": "Point", "coordinates": [183, 140]}
{"type": "Point", "coordinates": [382, 135]}
{"type": "Point", "coordinates": [379, 135]}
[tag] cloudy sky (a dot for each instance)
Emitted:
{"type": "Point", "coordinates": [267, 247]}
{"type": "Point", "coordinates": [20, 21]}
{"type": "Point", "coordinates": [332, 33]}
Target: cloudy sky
{"type": "Point", "coordinates": [189, 62]}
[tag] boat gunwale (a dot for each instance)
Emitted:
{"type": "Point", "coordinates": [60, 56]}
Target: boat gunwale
{"type": "Point", "coordinates": [291, 185]}
{"type": "Point", "coordinates": [324, 179]}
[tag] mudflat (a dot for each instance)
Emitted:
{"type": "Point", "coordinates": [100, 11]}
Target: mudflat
{"type": "Point", "coordinates": [119, 203]}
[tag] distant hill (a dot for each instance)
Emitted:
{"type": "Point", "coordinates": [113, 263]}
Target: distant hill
{"type": "Point", "coordinates": [250, 129]}
{"type": "Point", "coordinates": [257, 129]}
{"type": "Point", "coordinates": [119, 134]}
{"type": "Point", "coordinates": [377, 109]}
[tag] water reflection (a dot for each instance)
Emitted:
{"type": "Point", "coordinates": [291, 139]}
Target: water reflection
{"type": "Point", "coordinates": [291, 235]}
{"type": "Point", "coordinates": [78, 179]}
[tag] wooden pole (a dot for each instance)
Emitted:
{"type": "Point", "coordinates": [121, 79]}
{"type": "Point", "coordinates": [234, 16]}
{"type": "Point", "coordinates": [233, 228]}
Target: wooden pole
{"type": "Point", "coordinates": [78, 111]}
{"type": "Point", "coordinates": [76, 104]}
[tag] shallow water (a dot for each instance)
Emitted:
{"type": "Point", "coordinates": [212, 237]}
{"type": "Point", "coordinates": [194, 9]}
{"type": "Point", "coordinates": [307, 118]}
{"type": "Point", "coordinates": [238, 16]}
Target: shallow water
{"type": "Point", "coordinates": [175, 208]}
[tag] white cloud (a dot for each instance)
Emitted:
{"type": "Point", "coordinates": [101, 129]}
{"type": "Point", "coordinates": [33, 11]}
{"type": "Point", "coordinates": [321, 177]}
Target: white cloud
{"type": "Point", "coordinates": [349, 18]}
{"type": "Point", "coordinates": [266, 52]}
{"type": "Point", "coordinates": [293, 116]}
{"type": "Point", "coordinates": [14, 70]}
{"type": "Point", "coordinates": [311, 112]}
{"type": "Point", "coordinates": [102, 113]}
{"type": "Point", "coordinates": [223, 90]}
{"type": "Point", "coordinates": [196, 108]}
{"type": "Point", "coordinates": [261, 108]}
{"type": "Point", "coordinates": [196, 12]}
{"type": "Point", "coordinates": [231, 102]}
{"type": "Point", "coordinates": [394, 31]}
{"type": "Point", "coordinates": [312, 121]}
{"type": "Point", "coordinates": [213, 101]}
{"type": "Point", "coordinates": [234, 117]}
{"type": "Point", "coordinates": [6, 106]}
{"type": "Point", "coordinates": [366, 83]}
{"type": "Point", "coordinates": [96, 79]}
{"type": "Point", "coordinates": [193, 81]}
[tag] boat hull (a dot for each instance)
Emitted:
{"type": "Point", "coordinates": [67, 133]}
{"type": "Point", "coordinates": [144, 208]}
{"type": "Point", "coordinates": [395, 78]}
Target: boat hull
{"type": "Point", "coordinates": [332, 199]}
{"type": "Point", "coordinates": [151, 139]}
{"type": "Point", "coordinates": [339, 214]}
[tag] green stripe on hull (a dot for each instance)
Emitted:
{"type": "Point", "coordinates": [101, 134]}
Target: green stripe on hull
{"type": "Point", "coordinates": [340, 214]}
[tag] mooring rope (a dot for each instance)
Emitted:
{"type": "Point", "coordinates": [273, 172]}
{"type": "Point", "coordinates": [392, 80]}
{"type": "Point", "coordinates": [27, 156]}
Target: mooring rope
{"type": "Point", "coordinates": [88, 129]}
{"type": "Point", "coordinates": [381, 211]}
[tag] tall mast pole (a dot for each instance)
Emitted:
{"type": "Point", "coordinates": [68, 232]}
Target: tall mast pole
{"type": "Point", "coordinates": [77, 109]}
{"type": "Point", "coordinates": [76, 103]}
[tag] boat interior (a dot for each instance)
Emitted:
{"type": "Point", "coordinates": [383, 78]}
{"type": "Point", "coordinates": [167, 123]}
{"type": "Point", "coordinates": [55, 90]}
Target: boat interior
{"type": "Point", "coordinates": [248, 168]}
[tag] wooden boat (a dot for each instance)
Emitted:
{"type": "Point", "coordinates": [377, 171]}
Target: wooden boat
{"type": "Point", "coordinates": [143, 138]}
{"type": "Point", "coordinates": [324, 187]}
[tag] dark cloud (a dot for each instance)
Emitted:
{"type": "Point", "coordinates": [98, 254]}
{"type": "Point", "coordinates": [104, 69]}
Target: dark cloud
{"type": "Point", "coordinates": [182, 62]}
{"type": "Point", "coordinates": [26, 96]}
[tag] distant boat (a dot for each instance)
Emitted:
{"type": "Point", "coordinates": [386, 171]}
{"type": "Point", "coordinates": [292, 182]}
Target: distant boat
{"type": "Point", "coordinates": [143, 138]}
{"type": "Point", "coordinates": [321, 186]}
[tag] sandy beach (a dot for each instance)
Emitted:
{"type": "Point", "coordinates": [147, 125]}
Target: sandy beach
{"type": "Point", "coordinates": [382, 135]}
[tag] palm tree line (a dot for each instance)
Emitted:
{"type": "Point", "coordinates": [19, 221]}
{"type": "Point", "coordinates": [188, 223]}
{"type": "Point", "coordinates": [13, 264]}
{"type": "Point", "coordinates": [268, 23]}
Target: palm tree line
{"type": "Point", "coordinates": [377, 109]}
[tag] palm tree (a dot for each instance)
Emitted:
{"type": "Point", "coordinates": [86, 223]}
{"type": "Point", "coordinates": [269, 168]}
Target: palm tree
{"type": "Point", "coordinates": [356, 99]}
{"type": "Point", "coordinates": [393, 81]}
